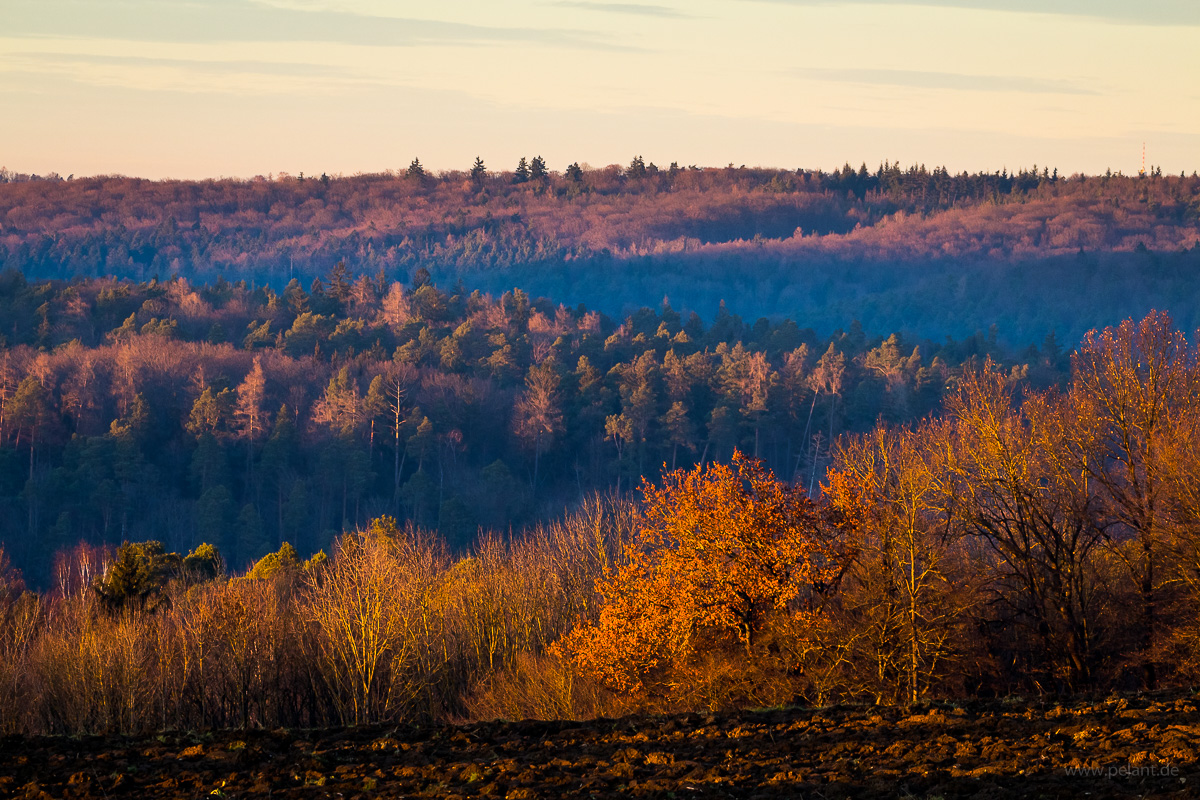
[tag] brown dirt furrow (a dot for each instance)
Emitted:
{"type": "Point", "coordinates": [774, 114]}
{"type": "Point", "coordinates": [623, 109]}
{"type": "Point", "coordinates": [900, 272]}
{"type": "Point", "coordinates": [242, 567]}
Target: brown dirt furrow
{"type": "Point", "coordinates": [1131, 747]}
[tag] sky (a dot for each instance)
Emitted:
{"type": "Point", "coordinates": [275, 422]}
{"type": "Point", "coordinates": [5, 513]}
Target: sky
{"type": "Point", "coordinates": [239, 88]}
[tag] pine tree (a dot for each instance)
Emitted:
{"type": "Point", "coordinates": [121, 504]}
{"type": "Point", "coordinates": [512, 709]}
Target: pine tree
{"type": "Point", "coordinates": [537, 169]}
{"type": "Point", "coordinates": [521, 175]}
{"type": "Point", "coordinates": [339, 282]}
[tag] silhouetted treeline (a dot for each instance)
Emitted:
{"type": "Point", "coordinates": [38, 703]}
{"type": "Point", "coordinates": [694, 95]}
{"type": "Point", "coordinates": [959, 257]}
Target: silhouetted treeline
{"type": "Point", "coordinates": [619, 237]}
{"type": "Point", "coordinates": [245, 418]}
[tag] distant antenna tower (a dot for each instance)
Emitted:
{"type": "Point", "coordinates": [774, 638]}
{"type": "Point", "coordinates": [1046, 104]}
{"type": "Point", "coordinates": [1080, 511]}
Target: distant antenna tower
{"type": "Point", "coordinates": [1142, 171]}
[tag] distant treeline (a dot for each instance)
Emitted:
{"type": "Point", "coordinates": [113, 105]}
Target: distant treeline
{"type": "Point", "coordinates": [770, 242]}
{"type": "Point", "coordinates": [244, 418]}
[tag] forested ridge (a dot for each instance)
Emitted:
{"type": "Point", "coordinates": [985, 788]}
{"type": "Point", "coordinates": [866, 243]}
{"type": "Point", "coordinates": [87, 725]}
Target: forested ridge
{"type": "Point", "coordinates": [1024, 540]}
{"type": "Point", "coordinates": [244, 418]}
{"type": "Point", "coordinates": [891, 247]}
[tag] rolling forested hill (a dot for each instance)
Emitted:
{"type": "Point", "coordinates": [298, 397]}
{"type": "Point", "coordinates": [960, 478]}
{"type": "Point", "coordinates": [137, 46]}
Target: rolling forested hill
{"type": "Point", "coordinates": [923, 252]}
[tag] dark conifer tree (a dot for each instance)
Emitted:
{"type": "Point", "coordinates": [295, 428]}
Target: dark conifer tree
{"type": "Point", "coordinates": [521, 175]}
{"type": "Point", "coordinates": [537, 169]}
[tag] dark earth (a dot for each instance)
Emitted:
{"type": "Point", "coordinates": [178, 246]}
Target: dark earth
{"type": "Point", "coordinates": [1140, 746]}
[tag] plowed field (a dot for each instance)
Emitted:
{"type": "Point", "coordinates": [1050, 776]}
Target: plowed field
{"type": "Point", "coordinates": [1130, 747]}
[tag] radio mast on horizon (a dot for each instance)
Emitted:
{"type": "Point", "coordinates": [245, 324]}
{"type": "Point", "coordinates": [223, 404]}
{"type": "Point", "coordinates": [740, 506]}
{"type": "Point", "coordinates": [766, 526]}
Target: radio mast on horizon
{"type": "Point", "coordinates": [1142, 171]}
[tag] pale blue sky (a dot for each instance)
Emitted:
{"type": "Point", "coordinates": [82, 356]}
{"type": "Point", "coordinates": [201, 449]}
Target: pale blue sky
{"type": "Point", "coordinates": [199, 88]}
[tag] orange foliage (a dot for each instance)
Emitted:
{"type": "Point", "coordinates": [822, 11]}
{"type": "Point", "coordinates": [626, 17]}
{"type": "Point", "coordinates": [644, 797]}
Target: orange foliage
{"type": "Point", "coordinates": [721, 551]}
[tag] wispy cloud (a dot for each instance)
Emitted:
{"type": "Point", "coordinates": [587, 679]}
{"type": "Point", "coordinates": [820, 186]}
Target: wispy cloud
{"type": "Point", "coordinates": [946, 80]}
{"type": "Point", "coordinates": [240, 77]}
{"type": "Point", "coordinates": [248, 21]}
{"type": "Point", "coordinates": [1143, 12]}
{"type": "Point", "coordinates": [639, 9]}
{"type": "Point", "coordinates": [217, 67]}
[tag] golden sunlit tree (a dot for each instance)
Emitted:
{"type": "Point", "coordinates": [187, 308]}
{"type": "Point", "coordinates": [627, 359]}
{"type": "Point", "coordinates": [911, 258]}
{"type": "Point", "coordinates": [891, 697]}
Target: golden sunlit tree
{"type": "Point", "coordinates": [721, 552]}
{"type": "Point", "coordinates": [1027, 500]}
{"type": "Point", "coordinates": [904, 598]}
{"type": "Point", "coordinates": [367, 608]}
{"type": "Point", "coordinates": [1136, 386]}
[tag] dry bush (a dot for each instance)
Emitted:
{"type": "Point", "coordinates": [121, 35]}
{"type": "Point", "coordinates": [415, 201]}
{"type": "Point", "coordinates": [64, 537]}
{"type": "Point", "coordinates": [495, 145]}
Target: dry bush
{"type": "Point", "coordinates": [371, 609]}
{"type": "Point", "coordinates": [1179, 651]}
{"type": "Point", "coordinates": [511, 599]}
{"type": "Point", "coordinates": [722, 678]}
{"type": "Point", "coordinates": [521, 595]}
{"type": "Point", "coordinates": [230, 655]}
{"type": "Point", "coordinates": [20, 625]}
{"type": "Point", "coordinates": [542, 687]}
{"type": "Point", "coordinates": [89, 671]}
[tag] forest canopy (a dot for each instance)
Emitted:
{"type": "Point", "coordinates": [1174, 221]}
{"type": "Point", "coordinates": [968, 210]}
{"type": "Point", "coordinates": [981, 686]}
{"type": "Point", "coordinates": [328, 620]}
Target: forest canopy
{"type": "Point", "coordinates": [919, 251]}
{"type": "Point", "coordinates": [245, 418]}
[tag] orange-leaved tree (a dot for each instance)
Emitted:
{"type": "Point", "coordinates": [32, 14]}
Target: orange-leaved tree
{"type": "Point", "coordinates": [721, 551]}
